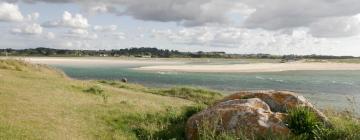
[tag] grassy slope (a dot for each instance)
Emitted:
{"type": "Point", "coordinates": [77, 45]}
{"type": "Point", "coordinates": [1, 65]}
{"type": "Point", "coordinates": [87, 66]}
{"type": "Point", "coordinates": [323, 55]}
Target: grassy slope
{"type": "Point", "coordinates": [39, 103]}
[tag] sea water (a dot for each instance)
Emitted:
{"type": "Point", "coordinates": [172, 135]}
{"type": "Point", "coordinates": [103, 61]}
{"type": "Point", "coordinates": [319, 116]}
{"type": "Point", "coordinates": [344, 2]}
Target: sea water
{"type": "Point", "coordinates": [324, 88]}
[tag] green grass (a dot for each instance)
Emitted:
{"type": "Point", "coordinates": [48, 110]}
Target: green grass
{"type": "Point", "coordinates": [38, 102]}
{"type": "Point", "coordinates": [193, 94]}
{"type": "Point", "coordinates": [345, 126]}
{"type": "Point", "coordinates": [303, 123]}
{"type": "Point", "coordinates": [167, 124]}
{"type": "Point", "coordinates": [97, 90]}
{"type": "Point", "coordinates": [198, 95]}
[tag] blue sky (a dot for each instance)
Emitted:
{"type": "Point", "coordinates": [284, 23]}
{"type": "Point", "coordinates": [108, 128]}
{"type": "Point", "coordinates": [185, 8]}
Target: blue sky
{"type": "Point", "coordinates": [234, 26]}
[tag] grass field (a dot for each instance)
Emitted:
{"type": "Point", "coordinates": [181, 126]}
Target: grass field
{"type": "Point", "coordinates": [38, 102]}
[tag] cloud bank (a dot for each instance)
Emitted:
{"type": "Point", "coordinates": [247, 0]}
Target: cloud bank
{"type": "Point", "coordinates": [28, 29]}
{"type": "Point", "coordinates": [10, 12]}
{"type": "Point", "coordinates": [69, 21]}
{"type": "Point", "coordinates": [214, 23]}
{"type": "Point", "coordinates": [266, 14]}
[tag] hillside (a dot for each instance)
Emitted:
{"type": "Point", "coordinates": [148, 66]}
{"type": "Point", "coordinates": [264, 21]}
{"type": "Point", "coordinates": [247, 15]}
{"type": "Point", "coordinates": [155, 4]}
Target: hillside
{"type": "Point", "coordinates": [38, 102]}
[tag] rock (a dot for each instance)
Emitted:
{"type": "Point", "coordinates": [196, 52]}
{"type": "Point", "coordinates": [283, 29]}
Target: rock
{"type": "Point", "coordinates": [124, 80]}
{"type": "Point", "coordinates": [279, 101]}
{"type": "Point", "coordinates": [252, 112]}
{"type": "Point", "coordinates": [248, 115]}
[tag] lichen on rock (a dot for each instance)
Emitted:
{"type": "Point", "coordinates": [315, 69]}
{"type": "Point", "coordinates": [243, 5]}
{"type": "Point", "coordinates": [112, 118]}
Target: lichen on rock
{"type": "Point", "coordinates": [251, 113]}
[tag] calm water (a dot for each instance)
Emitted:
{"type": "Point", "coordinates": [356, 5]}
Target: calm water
{"type": "Point", "coordinates": [325, 88]}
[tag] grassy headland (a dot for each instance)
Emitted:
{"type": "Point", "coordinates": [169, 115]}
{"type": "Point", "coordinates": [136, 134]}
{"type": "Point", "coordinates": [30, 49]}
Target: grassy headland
{"type": "Point", "coordinates": [39, 102]}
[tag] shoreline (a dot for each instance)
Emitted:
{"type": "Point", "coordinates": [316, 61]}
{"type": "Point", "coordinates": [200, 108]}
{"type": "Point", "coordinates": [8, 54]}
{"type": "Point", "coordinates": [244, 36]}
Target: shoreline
{"type": "Point", "coordinates": [250, 68]}
{"type": "Point", "coordinates": [96, 61]}
{"type": "Point", "coordinates": [178, 65]}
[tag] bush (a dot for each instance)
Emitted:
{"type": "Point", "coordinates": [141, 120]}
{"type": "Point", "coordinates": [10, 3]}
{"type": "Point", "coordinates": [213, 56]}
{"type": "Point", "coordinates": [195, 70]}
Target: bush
{"type": "Point", "coordinates": [302, 121]}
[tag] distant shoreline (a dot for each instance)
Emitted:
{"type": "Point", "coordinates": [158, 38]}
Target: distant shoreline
{"type": "Point", "coordinates": [248, 68]}
{"type": "Point", "coordinates": [93, 61]}
{"type": "Point", "coordinates": [182, 65]}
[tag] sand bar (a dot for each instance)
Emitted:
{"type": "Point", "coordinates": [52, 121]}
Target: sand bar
{"type": "Point", "coordinates": [96, 61]}
{"type": "Point", "coordinates": [171, 65]}
{"type": "Point", "coordinates": [256, 67]}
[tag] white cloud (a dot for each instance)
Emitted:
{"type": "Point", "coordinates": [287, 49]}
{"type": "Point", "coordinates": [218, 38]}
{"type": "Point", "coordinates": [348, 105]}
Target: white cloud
{"type": "Point", "coordinates": [336, 27]}
{"type": "Point", "coordinates": [239, 25]}
{"type": "Point", "coordinates": [74, 45]}
{"type": "Point", "coordinates": [184, 12]}
{"type": "Point", "coordinates": [28, 26]}
{"type": "Point", "coordinates": [50, 35]}
{"type": "Point", "coordinates": [33, 16]}
{"type": "Point", "coordinates": [248, 40]}
{"type": "Point", "coordinates": [80, 34]}
{"type": "Point", "coordinates": [28, 29]}
{"type": "Point", "coordinates": [93, 8]}
{"type": "Point", "coordinates": [209, 36]}
{"type": "Point", "coordinates": [119, 35]}
{"type": "Point", "coordinates": [10, 12]}
{"type": "Point", "coordinates": [264, 14]}
{"type": "Point", "coordinates": [280, 14]}
{"type": "Point", "coordinates": [109, 28]}
{"type": "Point", "coordinates": [70, 21]}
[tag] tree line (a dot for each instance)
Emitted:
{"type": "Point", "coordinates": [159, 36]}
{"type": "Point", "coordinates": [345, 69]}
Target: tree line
{"type": "Point", "coordinates": [153, 53]}
{"type": "Point", "coordinates": [135, 52]}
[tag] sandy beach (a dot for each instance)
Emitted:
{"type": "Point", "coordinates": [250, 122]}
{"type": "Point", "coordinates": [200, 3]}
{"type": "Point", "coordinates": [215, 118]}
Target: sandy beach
{"type": "Point", "coordinates": [169, 65]}
{"type": "Point", "coordinates": [256, 67]}
{"type": "Point", "coordinates": [95, 61]}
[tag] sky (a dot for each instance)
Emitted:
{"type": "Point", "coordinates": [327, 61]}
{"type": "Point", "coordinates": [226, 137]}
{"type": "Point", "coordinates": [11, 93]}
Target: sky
{"type": "Point", "coordinates": [324, 27]}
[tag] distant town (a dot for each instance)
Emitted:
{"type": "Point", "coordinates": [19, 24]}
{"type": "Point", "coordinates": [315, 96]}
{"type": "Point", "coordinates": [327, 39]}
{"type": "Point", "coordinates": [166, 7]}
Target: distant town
{"type": "Point", "coordinates": [151, 52]}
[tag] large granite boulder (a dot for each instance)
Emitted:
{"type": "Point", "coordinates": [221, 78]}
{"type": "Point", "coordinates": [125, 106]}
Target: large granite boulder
{"type": "Point", "coordinates": [250, 112]}
{"type": "Point", "coordinates": [279, 101]}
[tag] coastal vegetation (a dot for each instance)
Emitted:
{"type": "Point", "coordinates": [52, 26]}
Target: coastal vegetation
{"type": "Point", "coordinates": [40, 102]}
{"type": "Point", "coordinates": [153, 52]}
{"type": "Point", "coordinates": [197, 95]}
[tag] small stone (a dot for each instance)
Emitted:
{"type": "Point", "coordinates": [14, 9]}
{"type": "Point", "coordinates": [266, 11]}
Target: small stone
{"type": "Point", "coordinates": [124, 80]}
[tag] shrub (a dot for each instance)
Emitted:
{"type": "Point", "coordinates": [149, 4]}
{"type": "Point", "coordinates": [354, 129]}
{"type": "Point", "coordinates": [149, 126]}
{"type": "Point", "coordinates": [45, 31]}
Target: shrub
{"type": "Point", "coordinates": [302, 121]}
